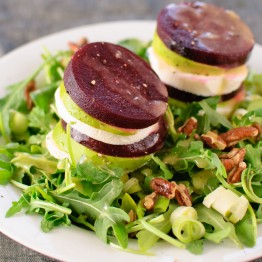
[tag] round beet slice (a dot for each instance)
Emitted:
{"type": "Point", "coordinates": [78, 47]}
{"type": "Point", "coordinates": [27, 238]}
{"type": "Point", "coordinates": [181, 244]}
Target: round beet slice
{"type": "Point", "coordinates": [148, 145]}
{"type": "Point", "coordinates": [115, 86]}
{"type": "Point", "coordinates": [190, 97]}
{"type": "Point", "coordinates": [205, 33]}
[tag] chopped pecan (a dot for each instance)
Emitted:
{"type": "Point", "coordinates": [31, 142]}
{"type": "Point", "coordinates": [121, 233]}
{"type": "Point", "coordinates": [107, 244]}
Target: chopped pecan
{"type": "Point", "coordinates": [163, 187]}
{"type": "Point", "coordinates": [172, 190]}
{"type": "Point", "coordinates": [234, 165]}
{"type": "Point", "coordinates": [189, 126]}
{"type": "Point", "coordinates": [132, 215]}
{"type": "Point", "coordinates": [213, 140]}
{"type": "Point", "coordinates": [235, 135]}
{"type": "Point", "coordinates": [76, 46]}
{"type": "Point", "coordinates": [234, 175]}
{"type": "Point", "coordinates": [31, 86]}
{"type": "Point", "coordinates": [149, 201]}
{"type": "Point", "coordinates": [233, 158]}
{"type": "Point", "coordinates": [182, 195]}
{"type": "Point", "coordinates": [259, 128]}
{"type": "Point", "coordinates": [197, 137]}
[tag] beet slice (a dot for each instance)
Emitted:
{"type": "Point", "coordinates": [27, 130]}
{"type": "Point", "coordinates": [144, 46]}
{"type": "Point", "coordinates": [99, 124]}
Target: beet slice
{"type": "Point", "coordinates": [205, 33]}
{"type": "Point", "coordinates": [190, 97]}
{"type": "Point", "coordinates": [115, 86]}
{"type": "Point", "coordinates": [150, 144]}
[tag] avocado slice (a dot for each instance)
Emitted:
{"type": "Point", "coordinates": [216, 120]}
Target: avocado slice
{"type": "Point", "coordinates": [127, 163]}
{"type": "Point", "coordinates": [78, 113]}
{"type": "Point", "coordinates": [182, 63]}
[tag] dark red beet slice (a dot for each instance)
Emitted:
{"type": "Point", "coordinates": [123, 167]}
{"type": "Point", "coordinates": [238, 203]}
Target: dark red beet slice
{"type": "Point", "coordinates": [205, 33]}
{"type": "Point", "coordinates": [149, 145]}
{"type": "Point", "coordinates": [189, 97]}
{"type": "Point", "coordinates": [115, 86]}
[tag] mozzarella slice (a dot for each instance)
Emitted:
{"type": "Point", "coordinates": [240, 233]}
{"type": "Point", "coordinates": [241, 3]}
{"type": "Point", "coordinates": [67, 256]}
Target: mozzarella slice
{"type": "Point", "coordinates": [202, 85]}
{"type": "Point", "coordinates": [53, 148]}
{"type": "Point", "coordinates": [98, 134]}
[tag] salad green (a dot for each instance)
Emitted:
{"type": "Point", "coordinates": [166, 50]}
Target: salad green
{"type": "Point", "coordinates": [110, 200]}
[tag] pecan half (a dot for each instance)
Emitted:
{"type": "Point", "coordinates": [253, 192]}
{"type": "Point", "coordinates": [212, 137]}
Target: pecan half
{"type": "Point", "coordinates": [163, 187]}
{"type": "Point", "coordinates": [132, 215]}
{"type": "Point", "coordinates": [233, 158]}
{"type": "Point", "coordinates": [150, 201]}
{"type": "Point", "coordinates": [234, 176]}
{"type": "Point", "coordinates": [31, 86]}
{"type": "Point", "coordinates": [235, 135]}
{"type": "Point", "coordinates": [76, 46]}
{"type": "Point", "coordinates": [189, 126]}
{"type": "Point", "coordinates": [213, 140]}
{"type": "Point", "coordinates": [182, 196]}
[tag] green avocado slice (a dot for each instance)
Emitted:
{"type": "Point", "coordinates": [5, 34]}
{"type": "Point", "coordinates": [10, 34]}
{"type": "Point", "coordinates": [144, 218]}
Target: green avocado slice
{"type": "Point", "coordinates": [82, 116]}
{"type": "Point", "coordinates": [127, 163]}
{"type": "Point", "coordinates": [182, 63]}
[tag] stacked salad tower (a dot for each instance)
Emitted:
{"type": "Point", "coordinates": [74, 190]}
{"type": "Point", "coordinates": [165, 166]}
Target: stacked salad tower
{"type": "Point", "coordinates": [114, 104]}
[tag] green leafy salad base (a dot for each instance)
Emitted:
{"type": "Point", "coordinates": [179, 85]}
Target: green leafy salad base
{"type": "Point", "coordinates": [110, 201]}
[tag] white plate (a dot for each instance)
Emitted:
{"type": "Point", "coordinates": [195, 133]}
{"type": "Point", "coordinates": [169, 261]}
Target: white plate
{"type": "Point", "coordinates": [72, 243]}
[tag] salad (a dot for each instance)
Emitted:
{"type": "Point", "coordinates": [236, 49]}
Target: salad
{"type": "Point", "coordinates": [117, 205]}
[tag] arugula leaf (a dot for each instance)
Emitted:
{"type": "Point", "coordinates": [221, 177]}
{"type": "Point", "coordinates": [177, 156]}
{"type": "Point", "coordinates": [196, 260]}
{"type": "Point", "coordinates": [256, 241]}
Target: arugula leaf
{"type": "Point", "coordinates": [53, 219]}
{"type": "Point", "coordinates": [222, 229]}
{"type": "Point", "coordinates": [16, 97]}
{"type": "Point", "coordinates": [188, 154]}
{"type": "Point", "coordinates": [26, 161]}
{"type": "Point", "coordinates": [41, 120]}
{"type": "Point", "coordinates": [43, 97]}
{"type": "Point", "coordinates": [206, 114]}
{"type": "Point", "coordinates": [112, 217]}
{"type": "Point", "coordinates": [97, 174]}
{"type": "Point", "coordinates": [251, 179]}
{"type": "Point", "coordinates": [54, 67]}
{"type": "Point", "coordinates": [136, 46]}
{"type": "Point", "coordinates": [246, 229]}
{"type": "Point", "coordinates": [214, 117]}
{"type": "Point", "coordinates": [17, 206]}
{"type": "Point", "coordinates": [167, 174]}
{"type": "Point", "coordinates": [98, 208]}
{"type": "Point", "coordinates": [254, 156]}
{"type": "Point", "coordinates": [33, 202]}
{"type": "Point", "coordinates": [5, 172]}
{"type": "Point", "coordinates": [196, 247]}
{"type": "Point", "coordinates": [253, 116]}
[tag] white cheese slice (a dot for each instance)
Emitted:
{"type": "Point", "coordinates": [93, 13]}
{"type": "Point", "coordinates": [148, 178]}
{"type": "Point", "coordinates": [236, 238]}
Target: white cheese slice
{"type": "Point", "coordinates": [98, 134]}
{"type": "Point", "coordinates": [53, 148]}
{"type": "Point", "coordinates": [202, 85]}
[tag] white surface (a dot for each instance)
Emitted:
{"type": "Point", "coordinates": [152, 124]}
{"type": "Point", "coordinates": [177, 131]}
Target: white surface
{"type": "Point", "coordinates": [72, 243]}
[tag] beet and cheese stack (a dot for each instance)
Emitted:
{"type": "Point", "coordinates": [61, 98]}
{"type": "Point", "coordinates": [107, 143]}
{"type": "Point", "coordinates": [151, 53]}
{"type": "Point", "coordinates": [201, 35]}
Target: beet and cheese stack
{"type": "Point", "coordinates": [200, 50]}
{"type": "Point", "coordinates": [113, 103]}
